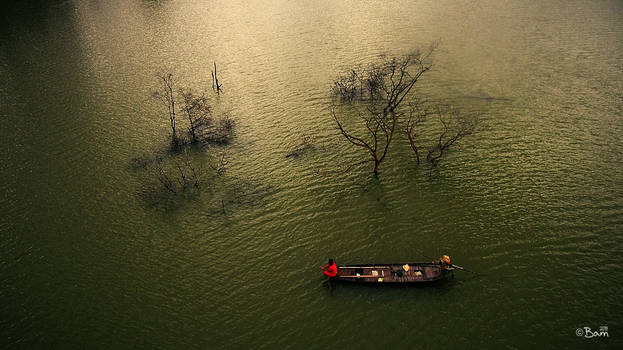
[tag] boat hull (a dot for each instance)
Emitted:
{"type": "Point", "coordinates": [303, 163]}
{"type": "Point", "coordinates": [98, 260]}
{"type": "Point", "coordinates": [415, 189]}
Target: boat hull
{"type": "Point", "coordinates": [396, 273]}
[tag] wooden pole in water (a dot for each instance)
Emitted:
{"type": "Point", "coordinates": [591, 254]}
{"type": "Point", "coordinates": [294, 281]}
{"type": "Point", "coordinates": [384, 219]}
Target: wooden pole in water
{"type": "Point", "coordinates": [215, 80]}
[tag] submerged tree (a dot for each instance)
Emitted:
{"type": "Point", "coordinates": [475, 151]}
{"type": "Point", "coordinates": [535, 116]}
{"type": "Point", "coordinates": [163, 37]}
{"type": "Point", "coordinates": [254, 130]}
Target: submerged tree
{"type": "Point", "coordinates": [177, 172]}
{"type": "Point", "coordinates": [381, 91]}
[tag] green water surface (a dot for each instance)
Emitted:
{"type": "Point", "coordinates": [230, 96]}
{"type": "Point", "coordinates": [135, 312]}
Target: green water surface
{"type": "Point", "coordinates": [535, 201]}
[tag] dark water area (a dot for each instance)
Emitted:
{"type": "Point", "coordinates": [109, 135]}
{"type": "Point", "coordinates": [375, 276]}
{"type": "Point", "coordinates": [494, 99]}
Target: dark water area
{"type": "Point", "coordinates": [534, 202]}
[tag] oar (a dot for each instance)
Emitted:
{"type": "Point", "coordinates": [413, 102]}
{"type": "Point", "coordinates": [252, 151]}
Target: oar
{"type": "Point", "coordinates": [464, 269]}
{"type": "Point", "coordinates": [426, 256]}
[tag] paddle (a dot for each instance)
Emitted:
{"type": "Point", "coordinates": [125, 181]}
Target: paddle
{"type": "Point", "coordinates": [464, 269]}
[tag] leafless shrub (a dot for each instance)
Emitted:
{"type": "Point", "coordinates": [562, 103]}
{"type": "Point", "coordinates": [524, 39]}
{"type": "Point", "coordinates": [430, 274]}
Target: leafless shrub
{"type": "Point", "coordinates": [198, 113]}
{"type": "Point", "coordinates": [203, 124]}
{"type": "Point", "coordinates": [221, 130]}
{"type": "Point", "coordinates": [347, 86]}
{"type": "Point", "coordinates": [177, 176]}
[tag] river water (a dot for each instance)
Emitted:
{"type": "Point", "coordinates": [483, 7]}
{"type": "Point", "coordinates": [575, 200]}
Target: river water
{"type": "Point", "coordinates": [533, 201]}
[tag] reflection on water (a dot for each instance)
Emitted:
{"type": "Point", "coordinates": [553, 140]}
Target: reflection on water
{"type": "Point", "coordinates": [535, 201]}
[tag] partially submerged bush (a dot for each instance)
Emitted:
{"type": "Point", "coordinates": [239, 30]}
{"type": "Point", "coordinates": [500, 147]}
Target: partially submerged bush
{"type": "Point", "coordinates": [220, 131]}
{"type": "Point", "coordinates": [202, 123]}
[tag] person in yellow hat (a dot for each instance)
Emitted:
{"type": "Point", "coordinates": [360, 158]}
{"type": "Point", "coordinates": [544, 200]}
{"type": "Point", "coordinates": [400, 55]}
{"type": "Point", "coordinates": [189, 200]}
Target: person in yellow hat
{"type": "Point", "coordinates": [445, 262]}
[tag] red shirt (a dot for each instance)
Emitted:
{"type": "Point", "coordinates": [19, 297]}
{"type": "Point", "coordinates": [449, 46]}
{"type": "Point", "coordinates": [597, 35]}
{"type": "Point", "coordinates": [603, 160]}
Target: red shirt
{"type": "Point", "coordinates": [330, 270]}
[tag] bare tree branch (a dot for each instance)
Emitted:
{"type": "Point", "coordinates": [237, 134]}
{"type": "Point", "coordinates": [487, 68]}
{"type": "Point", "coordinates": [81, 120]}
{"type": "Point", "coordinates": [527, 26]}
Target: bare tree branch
{"type": "Point", "coordinates": [455, 126]}
{"type": "Point", "coordinates": [417, 115]}
{"type": "Point", "coordinates": [198, 112]}
{"type": "Point", "coordinates": [166, 95]}
{"type": "Point", "coordinates": [380, 128]}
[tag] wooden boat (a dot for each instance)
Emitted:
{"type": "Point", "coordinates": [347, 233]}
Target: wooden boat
{"type": "Point", "coordinates": [410, 273]}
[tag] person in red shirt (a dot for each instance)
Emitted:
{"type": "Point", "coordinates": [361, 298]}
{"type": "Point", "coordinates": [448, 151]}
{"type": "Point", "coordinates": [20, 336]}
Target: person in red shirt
{"type": "Point", "coordinates": [330, 269]}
